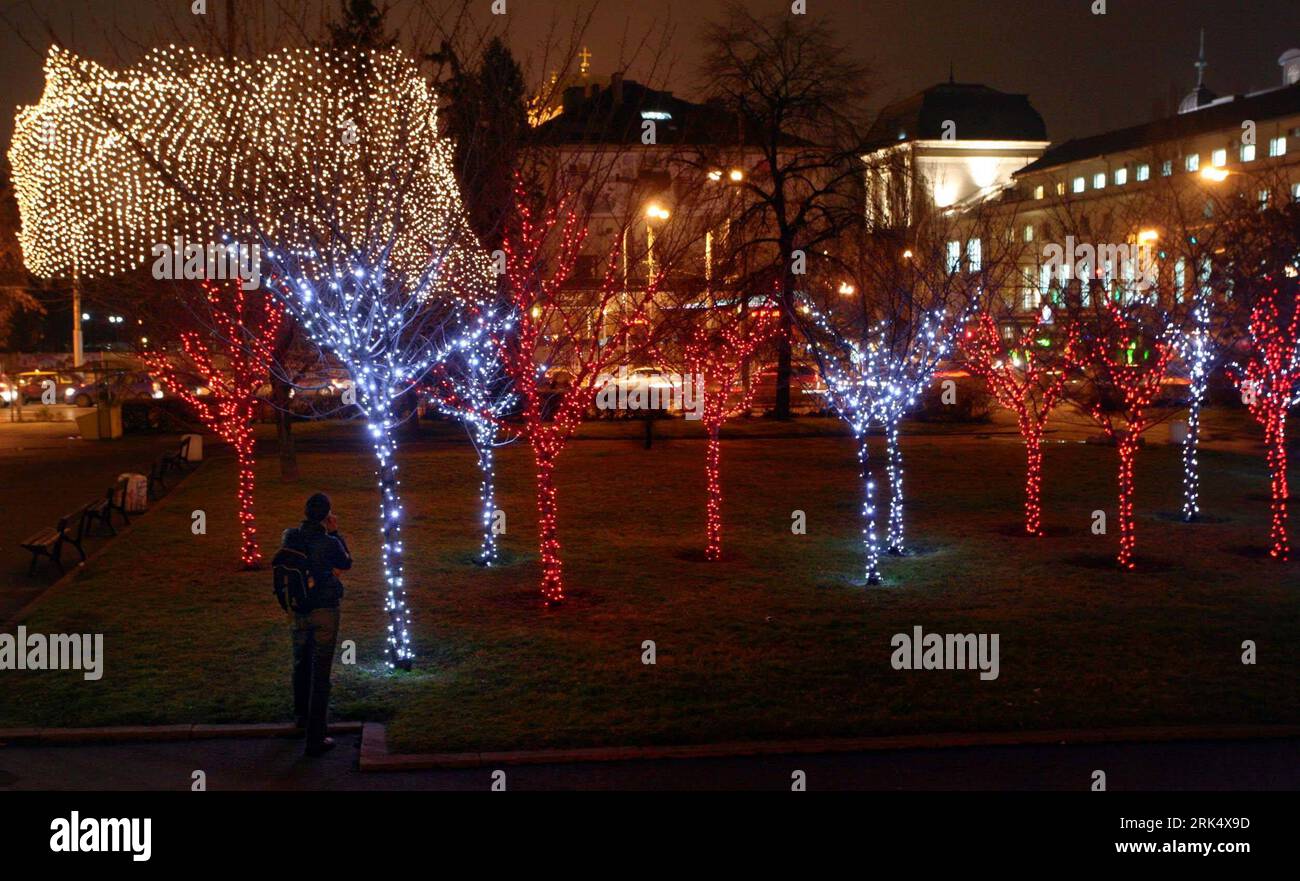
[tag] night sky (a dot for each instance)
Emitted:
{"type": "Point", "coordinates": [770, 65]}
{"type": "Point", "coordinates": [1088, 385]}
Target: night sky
{"type": "Point", "coordinates": [1084, 73]}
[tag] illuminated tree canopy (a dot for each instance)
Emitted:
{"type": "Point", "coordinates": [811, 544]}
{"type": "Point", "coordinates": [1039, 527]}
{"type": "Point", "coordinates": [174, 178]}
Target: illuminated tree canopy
{"type": "Point", "coordinates": [301, 148]}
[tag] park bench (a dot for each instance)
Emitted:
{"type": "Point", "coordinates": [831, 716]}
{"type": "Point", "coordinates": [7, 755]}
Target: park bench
{"type": "Point", "coordinates": [113, 502]}
{"type": "Point", "coordinates": [178, 459]}
{"type": "Point", "coordinates": [71, 529]}
{"type": "Point", "coordinates": [157, 479]}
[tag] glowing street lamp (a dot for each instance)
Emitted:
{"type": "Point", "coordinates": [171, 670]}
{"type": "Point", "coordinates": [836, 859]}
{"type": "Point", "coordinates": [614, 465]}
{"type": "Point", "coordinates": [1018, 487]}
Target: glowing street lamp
{"type": "Point", "coordinates": [1214, 174]}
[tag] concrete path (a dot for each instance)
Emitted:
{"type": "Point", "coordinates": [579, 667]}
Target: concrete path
{"type": "Point", "coordinates": [268, 763]}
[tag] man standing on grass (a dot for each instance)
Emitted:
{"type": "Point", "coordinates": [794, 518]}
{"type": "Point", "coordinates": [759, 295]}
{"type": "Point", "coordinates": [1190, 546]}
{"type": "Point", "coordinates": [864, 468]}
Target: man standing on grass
{"type": "Point", "coordinates": [316, 621]}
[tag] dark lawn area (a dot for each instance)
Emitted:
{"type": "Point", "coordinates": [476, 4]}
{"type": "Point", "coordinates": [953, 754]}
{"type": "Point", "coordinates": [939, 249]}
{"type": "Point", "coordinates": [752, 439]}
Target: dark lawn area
{"type": "Point", "coordinates": [781, 640]}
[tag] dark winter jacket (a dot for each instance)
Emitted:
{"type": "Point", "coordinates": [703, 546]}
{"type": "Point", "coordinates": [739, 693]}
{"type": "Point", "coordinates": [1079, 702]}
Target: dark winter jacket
{"type": "Point", "coordinates": [326, 551]}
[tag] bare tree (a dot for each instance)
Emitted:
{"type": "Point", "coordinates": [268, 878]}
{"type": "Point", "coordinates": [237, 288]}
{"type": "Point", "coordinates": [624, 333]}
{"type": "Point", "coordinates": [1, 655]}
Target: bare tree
{"type": "Point", "coordinates": [797, 98]}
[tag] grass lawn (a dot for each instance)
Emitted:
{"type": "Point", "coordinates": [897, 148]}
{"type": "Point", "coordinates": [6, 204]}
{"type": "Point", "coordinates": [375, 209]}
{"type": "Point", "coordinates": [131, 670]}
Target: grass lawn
{"type": "Point", "coordinates": [780, 640]}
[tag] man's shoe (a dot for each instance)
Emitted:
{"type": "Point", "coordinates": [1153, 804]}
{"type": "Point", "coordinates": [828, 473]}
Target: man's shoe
{"type": "Point", "coordinates": [319, 749]}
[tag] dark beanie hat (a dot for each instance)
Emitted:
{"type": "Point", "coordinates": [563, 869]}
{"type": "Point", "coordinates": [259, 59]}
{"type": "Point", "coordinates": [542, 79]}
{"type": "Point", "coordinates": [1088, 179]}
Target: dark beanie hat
{"type": "Point", "coordinates": [318, 507]}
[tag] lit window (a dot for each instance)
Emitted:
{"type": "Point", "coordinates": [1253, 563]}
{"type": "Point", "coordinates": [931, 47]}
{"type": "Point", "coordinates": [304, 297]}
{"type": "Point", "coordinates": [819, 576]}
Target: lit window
{"type": "Point", "coordinates": [1080, 184]}
{"type": "Point", "coordinates": [1167, 168]}
{"type": "Point", "coordinates": [1277, 147]}
{"type": "Point", "coordinates": [954, 256]}
{"type": "Point", "coordinates": [1029, 233]}
{"type": "Point", "coordinates": [1180, 278]}
{"type": "Point", "coordinates": [1247, 152]}
{"type": "Point", "coordinates": [1029, 298]}
{"type": "Point", "coordinates": [1060, 188]}
{"type": "Point", "coordinates": [975, 255]}
{"type": "Point", "coordinates": [1121, 176]}
{"type": "Point", "coordinates": [1144, 172]}
{"type": "Point", "coordinates": [1193, 162]}
{"type": "Point", "coordinates": [1295, 192]}
{"type": "Point", "coordinates": [1219, 158]}
{"type": "Point", "coordinates": [1264, 197]}
{"type": "Point", "coordinates": [1099, 181]}
{"type": "Point", "coordinates": [1039, 192]}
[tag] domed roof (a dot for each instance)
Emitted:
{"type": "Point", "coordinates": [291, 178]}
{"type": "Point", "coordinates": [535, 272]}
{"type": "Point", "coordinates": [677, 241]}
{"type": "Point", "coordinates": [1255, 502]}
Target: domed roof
{"type": "Point", "coordinates": [978, 113]}
{"type": "Point", "coordinates": [1196, 99]}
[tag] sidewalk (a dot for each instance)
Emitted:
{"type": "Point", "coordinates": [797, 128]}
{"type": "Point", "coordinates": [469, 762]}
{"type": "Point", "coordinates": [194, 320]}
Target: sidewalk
{"type": "Point", "coordinates": [274, 763]}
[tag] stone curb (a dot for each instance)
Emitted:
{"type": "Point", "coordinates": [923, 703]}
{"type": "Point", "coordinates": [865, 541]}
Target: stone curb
{"type": "Point", "coordinates": [156, 733]}
{"type": "Point", "coordinates": [376, 757]}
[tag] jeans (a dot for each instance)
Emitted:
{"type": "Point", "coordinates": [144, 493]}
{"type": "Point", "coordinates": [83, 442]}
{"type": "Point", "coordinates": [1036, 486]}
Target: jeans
{"type": "Point", "coordinates": [315, 634]}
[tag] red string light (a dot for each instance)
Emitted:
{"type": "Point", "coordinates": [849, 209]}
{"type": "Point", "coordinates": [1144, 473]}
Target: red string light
{"type": "Point", "coordinates": [241, 337]}
{"type": "Point", "coordinates": [1269, 380]}
{"type": "Point", "coordinates": [1029, 380]}
{"type": "Point", "coordinates": [1104, 352]}
{"type": "Point", "coordinates": [553, 337]}
{"type": "Point", "coordinates": [714, 360]}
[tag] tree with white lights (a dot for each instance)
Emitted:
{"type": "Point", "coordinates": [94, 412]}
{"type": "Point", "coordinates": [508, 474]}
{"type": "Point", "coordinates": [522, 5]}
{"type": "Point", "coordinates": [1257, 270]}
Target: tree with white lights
{"type": "Point", "coordinates": [473, 386]}
{"type": "Point", "coordinates": [333, 168]}
{"type": "Point", "coordinates": [890, 307]}
{"type": "Point", "coordinates": [870, 382]}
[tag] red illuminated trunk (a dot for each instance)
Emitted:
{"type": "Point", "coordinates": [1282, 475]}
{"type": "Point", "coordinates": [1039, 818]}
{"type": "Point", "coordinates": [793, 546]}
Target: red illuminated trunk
{"type": "Point", "coordinates": [1034, 482]}
{"type": "Point", "coordinates": [713, 481]}
{"type": "Point", "coordinates": [1128, 445]}
{"type": "Point", "coordinates": [1276, 440]}
{"type": "Point", "coordinates": [548, 510]}
{"type": "Point", "coordinates": [249, 551]}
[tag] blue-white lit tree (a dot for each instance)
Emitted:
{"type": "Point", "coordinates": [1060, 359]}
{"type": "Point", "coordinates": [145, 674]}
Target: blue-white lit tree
{"type": "Point", "coordinates": [333, 166]}
{"type": "Point", "coordinates": [881, 317]}
{"type": "Point", "coordinates": [473, 386]}
{"type": "Point", "coordinates": [872, 380]}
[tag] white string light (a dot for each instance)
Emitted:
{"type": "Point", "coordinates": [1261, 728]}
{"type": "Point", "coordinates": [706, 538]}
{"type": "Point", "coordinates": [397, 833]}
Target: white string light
{"type": "Point", "coordinates": [330, 162]}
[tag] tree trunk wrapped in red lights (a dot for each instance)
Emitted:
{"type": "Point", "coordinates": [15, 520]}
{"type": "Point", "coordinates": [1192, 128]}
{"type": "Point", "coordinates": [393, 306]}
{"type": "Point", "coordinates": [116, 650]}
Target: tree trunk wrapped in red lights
{"type": "Point", "coordinates": [1126, 364]}
{"type": "Point", "coordinates": [714, 360]}
{"type": "Point", "coordinates": [1269, 380]}
{"type": "Point", "coordinates": [233, 356]}
{"type": "Point", "coordinates": [554, 338]}
{"type": "Point", "coordinates": [1028, 378]}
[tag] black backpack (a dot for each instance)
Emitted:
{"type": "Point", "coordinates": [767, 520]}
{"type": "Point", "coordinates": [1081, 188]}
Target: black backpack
{"type": "Point", "coordinates": [291, 579]}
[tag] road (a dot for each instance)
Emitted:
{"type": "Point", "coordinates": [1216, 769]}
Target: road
{"type": "Point", "coordinates": [278, 764]}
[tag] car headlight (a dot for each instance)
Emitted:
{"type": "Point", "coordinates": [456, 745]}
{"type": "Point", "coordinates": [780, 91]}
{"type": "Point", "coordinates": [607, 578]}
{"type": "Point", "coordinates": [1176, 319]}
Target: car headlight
{"type": "Point", "coordinates": [70, 392]}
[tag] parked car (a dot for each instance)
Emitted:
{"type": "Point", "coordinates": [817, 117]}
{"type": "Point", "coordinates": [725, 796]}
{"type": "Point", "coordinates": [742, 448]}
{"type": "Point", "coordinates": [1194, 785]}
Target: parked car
{"type": "Point", "coordinates": [807, 391]}
{"type": "Point", "coordinates": [650, 385]}
{"type": "Point", "coordinates": [31, 385]}
{"type": "Point", "coordinates": [134, 385]}
{"type": "Point", "coordinates": [321, 384]}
